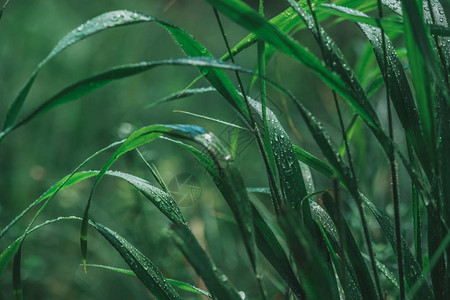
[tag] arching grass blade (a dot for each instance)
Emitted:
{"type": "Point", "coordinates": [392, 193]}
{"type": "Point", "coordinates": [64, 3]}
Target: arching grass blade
{"type": "Point", "coordinates": [93, 26]}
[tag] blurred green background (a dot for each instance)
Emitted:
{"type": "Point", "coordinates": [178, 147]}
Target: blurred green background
{"type": "Point", "coordinates": [36, 156]}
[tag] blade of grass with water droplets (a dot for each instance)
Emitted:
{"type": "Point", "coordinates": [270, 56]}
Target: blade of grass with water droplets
{"type": "Point", "coordinates": [351, 248]}
{"type": "Point", "coordinates": [271, 249]}
{"type": "Point", "coordinates": [93, 26]}
{"type": "Point", "coordinates": [385, 271]}
{"type": "Point", "coordinates": [413, 272]}
{"type": "Point", "coordinates": [318, 282]}
{"type": "Point", "coordinates": [217, 283]}
{"type": "Point", "coordinates": [182, 94]}
{"type": "Point", "coordinates": [93, 83]}
{"type": "Point", "coordinates": [175, 283]}
{"type": "Point", "coordinates": [312, 161]}
{"type": "Point", "coordinates": [144, 269]}
{"type": "Point", "coordinates": [162, 200]}
{"type": "Point", "coordinates": [331, 242]}
{"type": "Point", "coordinates": [155, 173]}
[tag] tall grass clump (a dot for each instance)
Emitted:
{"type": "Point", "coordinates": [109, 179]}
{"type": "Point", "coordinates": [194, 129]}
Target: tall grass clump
{"type": "Point", "coordinates": [301, 240]}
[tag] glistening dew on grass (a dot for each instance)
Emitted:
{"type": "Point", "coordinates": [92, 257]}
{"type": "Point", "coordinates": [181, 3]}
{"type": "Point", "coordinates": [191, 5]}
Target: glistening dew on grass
{"type": "Point", "coordinates": [355, 200]}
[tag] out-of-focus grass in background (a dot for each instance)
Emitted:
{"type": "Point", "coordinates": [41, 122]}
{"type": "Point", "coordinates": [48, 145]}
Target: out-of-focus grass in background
{"type": "Point", "coordinates": [45, 150]}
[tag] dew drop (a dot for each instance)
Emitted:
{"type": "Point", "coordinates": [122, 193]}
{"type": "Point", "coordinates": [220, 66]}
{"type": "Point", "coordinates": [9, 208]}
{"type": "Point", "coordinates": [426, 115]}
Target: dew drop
{"type": "Point", "coordinates": [135, 16]}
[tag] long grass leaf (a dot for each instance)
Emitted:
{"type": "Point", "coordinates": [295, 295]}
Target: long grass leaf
{"type": "Point", "coordinates": [413, 273]}
{"type": "Point", "coordinates": [182, 94]}
{"type": "Point", "coordinates": [314, 274]}
{"type": "Point", "coordinates": [351, 248]}
{"type": "Point", "coordinates": [93, 26]}
{"type": "Point", "coordinates": [144, 269]}
{"type": "Point", "coordinates": [93, 83]}
{"type": "Point", "coordinates": [345, 274]}
{"type": "Point", "coordinates": [274, 253]}
{"type": "Point", "coordinates": [217, 283]}
{"type": "Point", "coordinates": [175, 283]}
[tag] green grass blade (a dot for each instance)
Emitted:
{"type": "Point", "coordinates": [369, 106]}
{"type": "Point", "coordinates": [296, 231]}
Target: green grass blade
{"type": "Point", "coordinates": [217, 283]}
{"type": "Point", "coordinates": [93, 26]}
{"type": "Point", "coordinates": [436, 235]}
{"type": "Point", "coordinates": [345, 274]}
{"type": "Point", "coordinates": [175, 283]}
{"type": "Point", "coordinates": [211, 119]}
{"type": "Point", "coordinates": [312, 161]}
{"type": "Point", "coordinates": [385, 271]}
{"type": "Point", "coordinates": [313, 272]}
{"type": "Point", "coordinates": [413, 272]}
{"type": "Point", "coordinates": [188, 287]}
{"type": "Point", "coordinates": [162, 200]}
{"type": "Point", "coordinates": [17, 279]}
{"type": "Point", "coordinates": [86, 86]}
{"type": "Point", "coordinates": [144, 269]}
{"type": "Point", "coordinates": [155, 173]}
{"type": "Point", "coordinates": [391, 24]}
{"type": "Point", "coordinates": [8, 254]}
{"type": "Point", "coordinates": [416, 213]}
{"type": "Point", "coordinates": [182, 94]}
{"type": "Point", "coordinates": [351, 248]}
{"type": "Point", "coordinates": [271, 249]}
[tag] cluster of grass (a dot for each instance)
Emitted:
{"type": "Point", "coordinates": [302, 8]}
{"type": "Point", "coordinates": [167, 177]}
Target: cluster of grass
{"type": "Point", "coordinates": [305, 236]}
